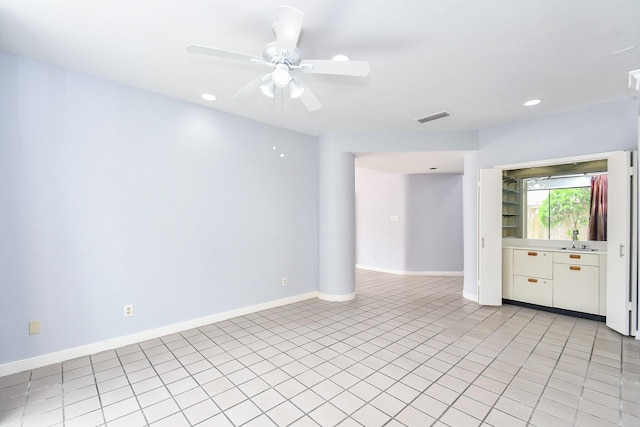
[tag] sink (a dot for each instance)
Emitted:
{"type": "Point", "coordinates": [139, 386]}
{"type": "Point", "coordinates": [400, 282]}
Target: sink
{"type": "Point", "coordinates": [579, 249]}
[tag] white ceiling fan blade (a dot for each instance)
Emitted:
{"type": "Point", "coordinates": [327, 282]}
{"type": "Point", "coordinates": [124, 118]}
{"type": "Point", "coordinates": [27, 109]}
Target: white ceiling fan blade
{"type": "Point", "coordinates": [288, 29]}
{"type": "Point", "coordinates": [344, 68]}
{"type": "Point", "coordinates": [252, 86]}
{"type": "Point", "coordinates": [308, 98]}
{"type": "Point", "coordinates": [221, 53]}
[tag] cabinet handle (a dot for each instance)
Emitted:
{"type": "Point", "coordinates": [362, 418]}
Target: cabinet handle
{"type": "Point", "coordinates": [574, 256]}
{"type": "Point", "coordinates": [574, 267]}
{"type": "Point", "coordinates": [532, 253]}
{"type": "Point", "coordinates": [533, 280]}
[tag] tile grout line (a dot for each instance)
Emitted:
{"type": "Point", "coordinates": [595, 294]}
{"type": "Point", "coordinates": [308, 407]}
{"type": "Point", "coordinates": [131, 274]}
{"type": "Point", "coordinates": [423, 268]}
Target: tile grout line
{"type": "Point", "coordinates": [394, 327]}
{"type": "Point", "coordinates": [95, 380]}
{"type": "Point", "coordinates": [130, 384]}
{"type": "Point", "coordinates": [488, 366]}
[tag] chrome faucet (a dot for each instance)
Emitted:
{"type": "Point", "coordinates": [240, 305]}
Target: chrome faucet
{"type": "Point", "coordinates": [574, 237]}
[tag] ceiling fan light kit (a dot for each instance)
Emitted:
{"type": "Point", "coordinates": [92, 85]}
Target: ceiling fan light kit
{"type": "Point", "coordinates": [284, 57]}
{"type": "Point", "coordinates": [268, 89]}
{"type": "Point", "coordinates": [280, 75]}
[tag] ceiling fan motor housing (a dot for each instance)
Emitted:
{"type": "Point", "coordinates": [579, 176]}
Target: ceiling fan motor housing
{"type": "Point", "coordinates": [271, 55]}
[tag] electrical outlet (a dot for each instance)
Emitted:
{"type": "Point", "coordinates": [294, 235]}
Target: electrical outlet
{"type": "Point", "coordinates": [34, 327]}
{"type": "Point", "coordinates": [284, 281]}
{"type": "Point", "coordinates": [128, 310]}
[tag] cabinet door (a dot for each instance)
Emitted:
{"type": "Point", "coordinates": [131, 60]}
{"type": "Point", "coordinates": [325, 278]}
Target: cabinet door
{"type": "Point", "coordinates": [619, 242]}
{"type": "Point", "coordinates": [576, 287]}
{"type": "Point", "coordinates": [490, 237]}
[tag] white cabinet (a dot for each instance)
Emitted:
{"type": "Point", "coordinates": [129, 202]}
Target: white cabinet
{"type": "Point", "coordinates": [576, 280]}
{"type": "Point", "coordinates": [561, 279]}
{"type": "Point", "coordinates": [532, 273]}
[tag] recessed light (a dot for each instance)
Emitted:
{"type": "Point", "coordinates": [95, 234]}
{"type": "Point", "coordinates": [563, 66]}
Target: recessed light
{"type": "Point", "coordinates": [208, 97]}
{"type": "Point", "coordinates": [340, 58]}
{"type": "Point", "coordinates": [532, 102]}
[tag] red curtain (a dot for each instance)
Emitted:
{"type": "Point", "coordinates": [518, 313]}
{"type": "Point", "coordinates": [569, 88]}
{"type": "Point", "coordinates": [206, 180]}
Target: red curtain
{"type": "Point", "coordinates": [598, 216]}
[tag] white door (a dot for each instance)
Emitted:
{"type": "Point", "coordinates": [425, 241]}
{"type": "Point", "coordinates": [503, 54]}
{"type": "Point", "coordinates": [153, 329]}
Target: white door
{"type": "Point", "coordinates": [490, 237]}
{"type": "Point", "coordinates": [619, 250]}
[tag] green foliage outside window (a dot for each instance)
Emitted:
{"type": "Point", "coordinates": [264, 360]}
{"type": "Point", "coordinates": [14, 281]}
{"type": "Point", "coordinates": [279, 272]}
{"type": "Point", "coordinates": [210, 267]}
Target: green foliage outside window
{"type": "Point", "coordinates": [566, 207]}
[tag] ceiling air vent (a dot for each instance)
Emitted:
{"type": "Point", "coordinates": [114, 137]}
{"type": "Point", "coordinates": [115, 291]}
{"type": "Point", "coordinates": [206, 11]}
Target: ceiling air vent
{"type": "Point", "coordinates": [432, 117]}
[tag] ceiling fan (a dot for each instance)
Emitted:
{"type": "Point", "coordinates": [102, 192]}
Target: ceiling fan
{"type": "Point", "coordinates": [285, 60]}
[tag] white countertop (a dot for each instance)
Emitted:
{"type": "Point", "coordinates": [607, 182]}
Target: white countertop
{"type": "Point", "coordinates": [555, 245]}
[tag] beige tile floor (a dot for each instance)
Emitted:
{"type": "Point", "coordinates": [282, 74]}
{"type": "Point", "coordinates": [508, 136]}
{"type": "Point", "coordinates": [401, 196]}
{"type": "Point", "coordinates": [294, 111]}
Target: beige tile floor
{"type": "Point", "coordinates": [409, 351]}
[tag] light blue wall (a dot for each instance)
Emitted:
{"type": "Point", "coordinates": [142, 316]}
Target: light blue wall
{"type": "Point", "coordinates": [428, 235]}
{"type": "Point", "coordinates": [110, 195]}
{"type": "Point", "coordinates": [384, 142]}
{"type": "Point", "coordinates": [337, 237]}
{"type": "Point", "coordinates": [380, 242]}
{"type": "Point", "coordinates": [434, 231]}
{"type": "Point", "coordinates": [596, 129]}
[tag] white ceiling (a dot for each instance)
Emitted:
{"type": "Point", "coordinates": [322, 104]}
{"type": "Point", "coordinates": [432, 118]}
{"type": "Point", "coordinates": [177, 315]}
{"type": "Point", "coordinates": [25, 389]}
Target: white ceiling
{"type": "Point", "coordinates": [479, 60]}
{"type": "Point", "coordinates": [409, 163]}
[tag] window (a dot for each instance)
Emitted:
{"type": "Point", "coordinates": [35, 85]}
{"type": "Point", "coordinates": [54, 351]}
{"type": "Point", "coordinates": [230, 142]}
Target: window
{"type": "Point", "coordinates": [556, 206]}
{"type": "Point", "coordinates": [551, 202]}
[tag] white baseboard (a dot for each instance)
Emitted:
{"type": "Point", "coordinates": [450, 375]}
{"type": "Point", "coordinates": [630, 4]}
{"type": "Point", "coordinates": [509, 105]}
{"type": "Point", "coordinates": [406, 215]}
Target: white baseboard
{"type": "Point", "coordinates": [113, 343]}
{"type": "Point", "coordinates": [336, 298]}
{"type": "Point", "coordinates": [410, 273]}
{"type": "Point", "coordinates": [470, 297]}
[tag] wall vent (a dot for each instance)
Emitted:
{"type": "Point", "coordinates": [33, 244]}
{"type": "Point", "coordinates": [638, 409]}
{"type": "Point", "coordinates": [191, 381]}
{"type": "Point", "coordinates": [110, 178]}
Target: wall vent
{"type": "Point", "coordinates": [432, 117]}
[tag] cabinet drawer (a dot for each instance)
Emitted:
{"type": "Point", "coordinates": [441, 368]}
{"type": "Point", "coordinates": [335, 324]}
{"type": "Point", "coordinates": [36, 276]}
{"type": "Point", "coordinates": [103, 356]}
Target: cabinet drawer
{"type": "Point", "coordinates": [533, 263]}
{"type": "Point", "coordinates": [576, 287]}
{"type": "Point", "coordinates": [576, 258]}
{"type": "Point", "coordinates": [534, 290]}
